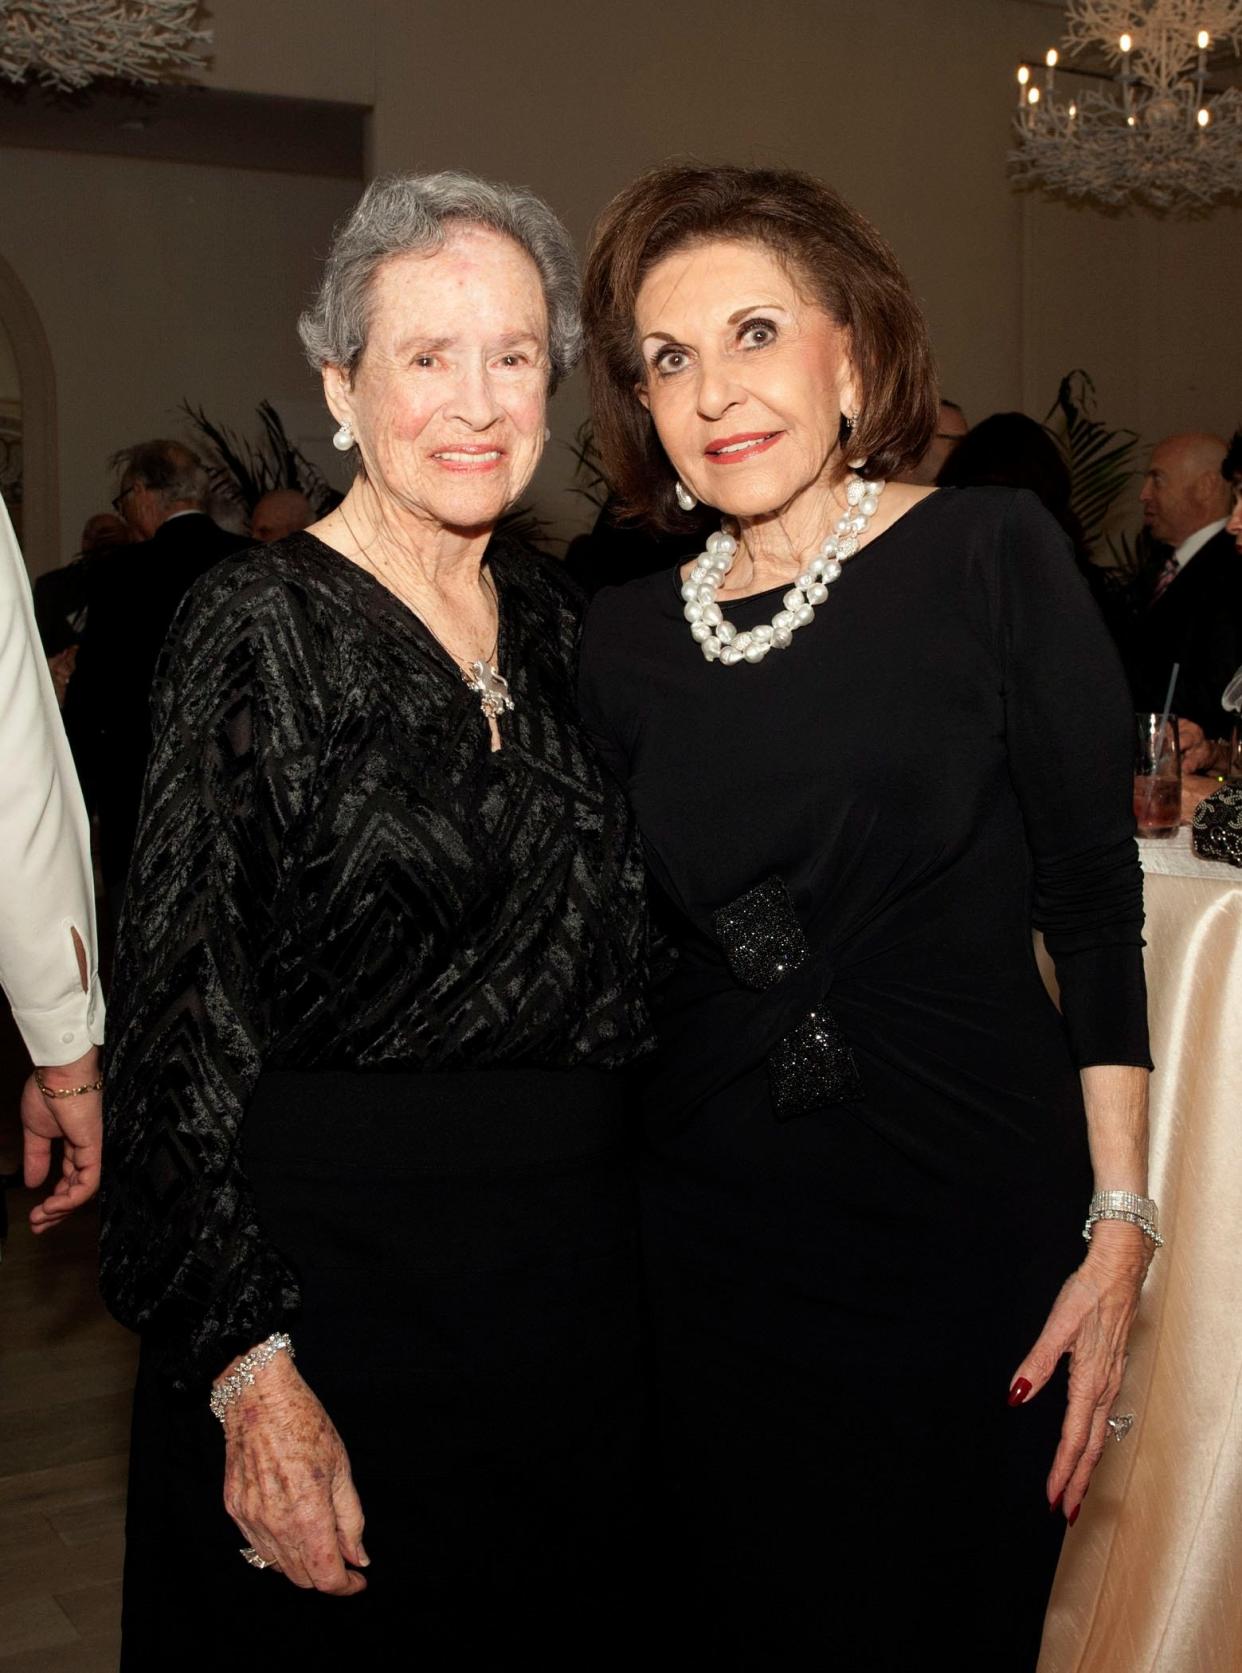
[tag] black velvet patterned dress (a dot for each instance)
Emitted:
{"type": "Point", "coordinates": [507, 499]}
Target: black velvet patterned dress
{"type": "Point", "coordinates": [373, 984]}
{"type": "Point", "coordinates": [866, 1165]}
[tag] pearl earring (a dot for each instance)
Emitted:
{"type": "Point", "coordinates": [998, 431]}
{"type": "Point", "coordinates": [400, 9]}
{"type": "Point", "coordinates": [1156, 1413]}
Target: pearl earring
{"type": "Point", "coordinates": [547, 434]}
{"type": "Point", "coordinates": [683, 496]}
{"type": "Point", "coordinates": [851, 422]}
{"type": "Point", "coordinates": [343, 440]}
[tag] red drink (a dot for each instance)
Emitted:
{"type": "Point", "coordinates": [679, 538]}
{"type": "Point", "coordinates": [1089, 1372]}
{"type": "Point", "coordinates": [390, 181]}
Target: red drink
{"type": "Point", "coordinates": [1157, 804]}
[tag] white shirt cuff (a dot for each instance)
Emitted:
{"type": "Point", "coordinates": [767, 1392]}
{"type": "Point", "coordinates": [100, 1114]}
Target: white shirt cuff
{"type": "Point", "coordinates": [67, 1031]}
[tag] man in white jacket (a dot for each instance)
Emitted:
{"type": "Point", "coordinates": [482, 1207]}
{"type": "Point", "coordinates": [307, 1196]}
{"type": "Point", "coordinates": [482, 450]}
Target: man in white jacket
{"type": "Point", "coordinates": [48, 947]}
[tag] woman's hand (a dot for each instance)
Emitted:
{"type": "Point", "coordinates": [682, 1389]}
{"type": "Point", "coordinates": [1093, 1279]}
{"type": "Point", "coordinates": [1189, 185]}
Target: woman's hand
{"type": "Point", "coordinates": [287, 1483]}
{"type": "Point", "coordinates": [1090, 1321]}
{"type": "Point", "coordinates": [1199, 754]}
{"type": "Point", "coordinates": [61, 668]}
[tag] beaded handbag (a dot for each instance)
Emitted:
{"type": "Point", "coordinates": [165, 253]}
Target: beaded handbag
{"type": "Point", "coordinates": [1216, 828]}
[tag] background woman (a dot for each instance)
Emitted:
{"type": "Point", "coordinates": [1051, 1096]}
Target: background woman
{"type": "Point", "coordinates": [868, 1164]}
{"type": "Point", "coordinates": [1010, 450]}
{"type": "Point", "coordinates": [382, 941]}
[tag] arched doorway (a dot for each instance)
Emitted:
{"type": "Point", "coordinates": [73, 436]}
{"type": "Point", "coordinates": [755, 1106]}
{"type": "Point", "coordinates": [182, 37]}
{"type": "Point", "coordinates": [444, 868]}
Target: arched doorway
{"type": "Point", "coordinates": [28, 460]}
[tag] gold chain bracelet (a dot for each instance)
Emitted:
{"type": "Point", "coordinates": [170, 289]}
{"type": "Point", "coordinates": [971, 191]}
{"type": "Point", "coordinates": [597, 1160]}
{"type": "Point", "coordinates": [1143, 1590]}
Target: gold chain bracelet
{"type": "Point", "coordinates": [68, 1091]}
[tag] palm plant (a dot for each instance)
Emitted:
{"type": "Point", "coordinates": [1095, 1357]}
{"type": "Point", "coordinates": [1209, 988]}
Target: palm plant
{"type": "Point", "coordinates": [522, 522]}
{"type": "Point", "coordinates": [243, 470]}
{"type": "Point", "coordinates": [1102, 462]}
{"type": "Point", "coordinates": [591, 482]}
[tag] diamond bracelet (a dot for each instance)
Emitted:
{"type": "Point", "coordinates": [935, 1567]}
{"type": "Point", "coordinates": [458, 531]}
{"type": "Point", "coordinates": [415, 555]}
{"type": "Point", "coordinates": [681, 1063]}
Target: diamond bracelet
{"type": "Point", "coordinates": [1129, 1207]}
{"type": "Point", "coordinates": [228, 1389]}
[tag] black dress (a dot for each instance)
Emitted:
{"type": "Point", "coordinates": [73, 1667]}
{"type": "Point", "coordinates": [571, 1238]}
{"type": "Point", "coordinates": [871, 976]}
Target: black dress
{"type": "Point", "coordinates": [373, 984]}
{"type": "Point", "coordinates": [866, 1166]}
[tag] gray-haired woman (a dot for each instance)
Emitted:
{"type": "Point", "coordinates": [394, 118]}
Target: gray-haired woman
{"type": "Point", "coordinates": [382, 951]}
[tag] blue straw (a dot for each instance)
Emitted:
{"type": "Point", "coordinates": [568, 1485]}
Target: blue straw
{"type": "Point", "coordinates": [1164, 718]}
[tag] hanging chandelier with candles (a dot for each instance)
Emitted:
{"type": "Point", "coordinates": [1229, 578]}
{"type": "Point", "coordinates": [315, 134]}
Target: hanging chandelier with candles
{"type": "Point", "coordinates": [1131, 110]}
{"type": "Point", "coordinates": [68, 43]}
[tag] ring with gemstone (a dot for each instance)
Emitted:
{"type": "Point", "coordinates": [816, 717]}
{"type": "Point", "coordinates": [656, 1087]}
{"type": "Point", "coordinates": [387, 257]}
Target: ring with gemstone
{"type": "Point", "coordinates": [1121, 1425]}
{"type": "Point", "coordinates": [250, 1555]}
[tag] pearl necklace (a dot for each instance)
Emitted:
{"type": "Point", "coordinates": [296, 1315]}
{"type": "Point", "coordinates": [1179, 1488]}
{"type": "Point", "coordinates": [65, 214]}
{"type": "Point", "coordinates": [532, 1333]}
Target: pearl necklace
{"type": "Point", "coordinates": [718, 639]}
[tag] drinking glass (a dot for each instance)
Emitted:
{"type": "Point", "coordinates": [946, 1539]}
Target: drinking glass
{"type": "Point", "coordinates": [1157, 776]}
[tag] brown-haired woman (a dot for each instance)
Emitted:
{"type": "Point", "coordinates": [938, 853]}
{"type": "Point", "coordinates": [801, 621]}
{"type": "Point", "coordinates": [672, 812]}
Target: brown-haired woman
{"type": "Point", "coordinates": [871, 1136]}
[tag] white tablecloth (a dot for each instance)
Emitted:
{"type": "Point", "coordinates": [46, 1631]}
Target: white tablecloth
{"type": "Point", "coordinates": [1175, 857]}
{"type": "Point", "coordinates": [1151, 1575]}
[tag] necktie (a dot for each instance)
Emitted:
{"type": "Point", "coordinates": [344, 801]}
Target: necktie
{"type": "Point", "coordinates": [1164, 579]}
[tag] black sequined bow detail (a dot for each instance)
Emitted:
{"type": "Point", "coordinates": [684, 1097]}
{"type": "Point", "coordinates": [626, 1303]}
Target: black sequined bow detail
{"type": "Point", "coordinates": [761, 935]}
{"type": "Point", "coordinates": [812, 1066]}
{"type": "Point", "coordinates": [763, 941]}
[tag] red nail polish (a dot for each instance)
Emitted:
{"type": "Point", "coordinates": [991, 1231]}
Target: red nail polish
{"type": "Point", "coordinates": [1056, 1504]}
{"type": "Point", "coordinates": [1019, 1391]}
{"type": "Point", "coordinates": [1073, 1515]}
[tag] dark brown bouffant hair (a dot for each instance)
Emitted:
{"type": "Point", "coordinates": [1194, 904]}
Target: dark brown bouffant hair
{"type": "Point", "coordinates": [831, 252]}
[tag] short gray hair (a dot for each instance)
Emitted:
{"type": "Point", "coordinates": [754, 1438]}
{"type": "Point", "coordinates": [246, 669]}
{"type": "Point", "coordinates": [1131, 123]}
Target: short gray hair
{"type": "Point", "coordinates": [400, 213]}
{"type": "Point", "coordinates": [174, 474]}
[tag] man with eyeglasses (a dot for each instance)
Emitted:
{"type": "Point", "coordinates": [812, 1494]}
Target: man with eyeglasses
{"type": "Point", "coordinates": [162, 495]}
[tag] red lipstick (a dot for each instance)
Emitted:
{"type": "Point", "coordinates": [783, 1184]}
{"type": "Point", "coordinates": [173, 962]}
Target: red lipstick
{"type": "Point", "coordinates": [745, 445]}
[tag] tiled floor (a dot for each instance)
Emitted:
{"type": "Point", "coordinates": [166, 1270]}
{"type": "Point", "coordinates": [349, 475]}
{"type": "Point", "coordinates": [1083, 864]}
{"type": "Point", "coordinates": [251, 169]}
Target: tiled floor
{"type": "Point", "coordinates": [65, 1374]}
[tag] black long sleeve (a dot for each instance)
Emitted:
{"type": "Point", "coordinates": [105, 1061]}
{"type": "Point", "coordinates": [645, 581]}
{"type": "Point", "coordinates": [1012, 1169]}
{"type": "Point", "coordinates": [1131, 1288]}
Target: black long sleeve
{"type": "Point", "coordinates": [1069, 732]}
{"type": "Point", "coordinates": [234, 758]}
{"type": "Point", "coordinates": [335, 871]}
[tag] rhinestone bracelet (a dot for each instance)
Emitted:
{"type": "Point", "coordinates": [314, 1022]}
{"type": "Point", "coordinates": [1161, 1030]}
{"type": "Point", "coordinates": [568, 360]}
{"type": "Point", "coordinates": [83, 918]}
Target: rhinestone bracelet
{"type": "Point", "coordinates": [1129, 1207]}
{"type": "Point", "coordinates": [228, 1389]}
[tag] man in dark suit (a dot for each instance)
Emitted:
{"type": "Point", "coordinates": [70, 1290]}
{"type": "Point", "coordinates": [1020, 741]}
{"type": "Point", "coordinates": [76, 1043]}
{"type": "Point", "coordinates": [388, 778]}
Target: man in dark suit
{"type": "Point", "coordinates": [163, 494]}
{"type": "Point", "coordinates": [1192, 612]}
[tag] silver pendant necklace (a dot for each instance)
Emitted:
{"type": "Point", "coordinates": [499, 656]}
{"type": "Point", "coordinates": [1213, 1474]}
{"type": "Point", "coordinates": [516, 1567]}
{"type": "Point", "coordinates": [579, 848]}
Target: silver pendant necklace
{"type": "Point", "coordinates": [481, 675]}
{"type": "Point", "coordinates": [489, 686]}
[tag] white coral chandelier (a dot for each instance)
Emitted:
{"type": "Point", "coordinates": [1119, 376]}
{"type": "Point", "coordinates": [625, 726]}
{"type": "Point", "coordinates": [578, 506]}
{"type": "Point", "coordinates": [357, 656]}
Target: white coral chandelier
{"type": "Point", "coordinates": [1151, 129]}
{"type": "Point", "coordinates": [68, 43]}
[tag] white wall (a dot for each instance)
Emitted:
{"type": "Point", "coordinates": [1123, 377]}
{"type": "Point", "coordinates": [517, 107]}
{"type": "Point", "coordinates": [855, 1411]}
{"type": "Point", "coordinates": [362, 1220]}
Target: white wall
{"type": "Point", "coordinates": [157, 280]}
{"type": "Point", "coordinates": [1149, 306]}
{"type": "Point", "coordinates": [302, 49]}
{"type": "Point", "coordinates": [905, 106]}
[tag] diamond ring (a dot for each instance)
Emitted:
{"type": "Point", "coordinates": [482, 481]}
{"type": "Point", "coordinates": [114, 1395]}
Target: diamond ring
{"type": "Point", "coordinates": [251, 1556]}
{"type": "Point", "coordinates": [1121, 1425]}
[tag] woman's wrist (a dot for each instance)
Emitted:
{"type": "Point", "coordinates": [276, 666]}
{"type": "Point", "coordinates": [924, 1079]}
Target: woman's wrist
{"type": "Point", "coordinates": [1118, 1250]}
{"type": "Point", "coordinates": [260, 1370]}
{"type": "Point", "coordinates": [1118, 1234]}
{"type": "Point", "coordinates": [1125, 1207]}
